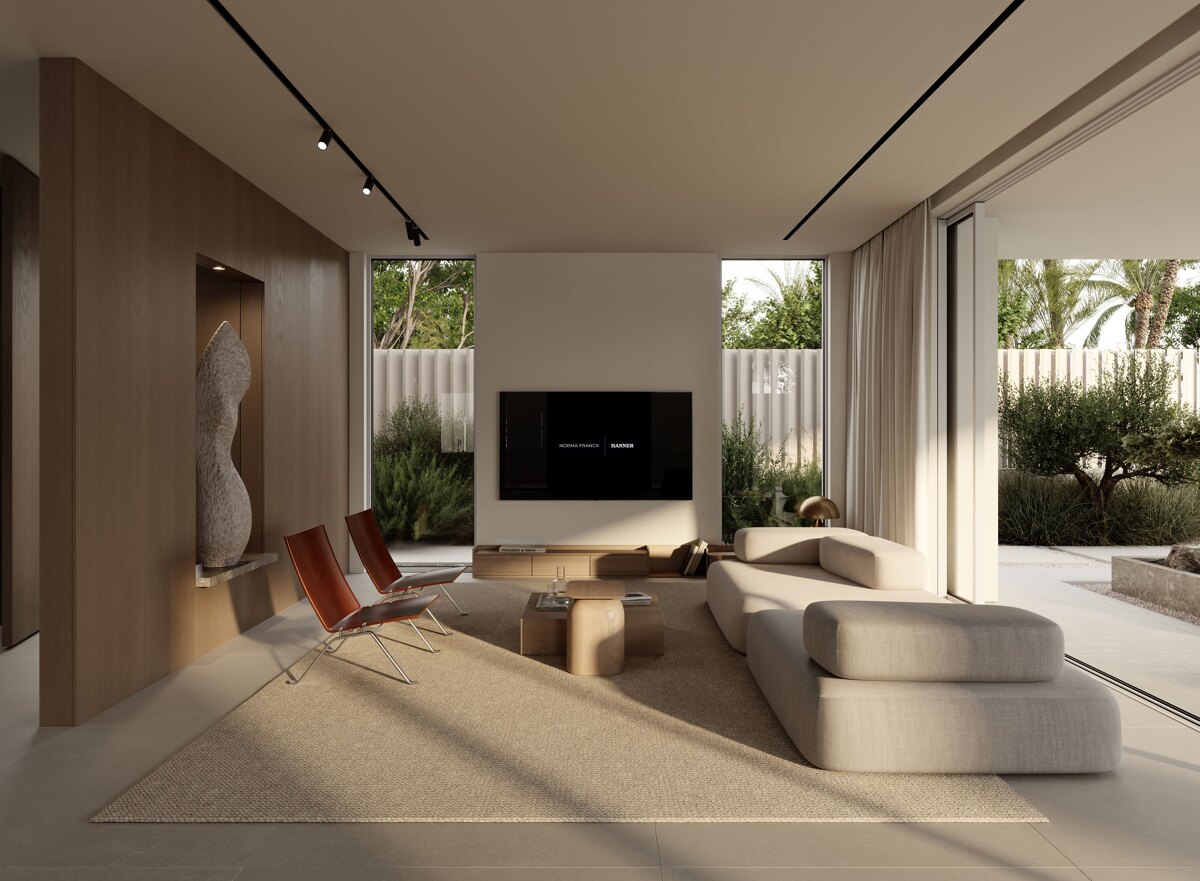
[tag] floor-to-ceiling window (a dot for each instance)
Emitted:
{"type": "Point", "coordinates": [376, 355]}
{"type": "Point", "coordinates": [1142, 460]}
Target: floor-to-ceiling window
{"type": "Point", "coordinates": [1099, 431]}
{"type": "Point", "coordinates": [423, 329]}
{"type": "Point", "coordinates": [772, 397]}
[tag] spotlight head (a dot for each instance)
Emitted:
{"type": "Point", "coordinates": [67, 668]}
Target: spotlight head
{"type": "Point", "coordinates": [326, 139]}
{"type": "Point", "coordinates": [414, 232]}
{"type": "Point", "coordinates": [368, 186]}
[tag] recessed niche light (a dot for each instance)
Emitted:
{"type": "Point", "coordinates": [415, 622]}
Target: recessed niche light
{"type": "Point", "coordinates": [219, 268]}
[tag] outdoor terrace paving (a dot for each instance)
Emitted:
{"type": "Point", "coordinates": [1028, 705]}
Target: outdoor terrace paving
{"type": "Point", "coordinates": [1152, 651]}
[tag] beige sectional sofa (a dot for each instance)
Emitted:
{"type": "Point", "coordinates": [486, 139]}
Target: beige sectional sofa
{"type": "Point", "coordinates": [788, 568]}
{"type": "Point", "coordinates": [866, 686]}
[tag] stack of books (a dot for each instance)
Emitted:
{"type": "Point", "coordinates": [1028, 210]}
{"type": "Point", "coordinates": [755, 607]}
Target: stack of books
{"type": "Point", "coordinates": [636, 598]}
{"type": "Point", "coordinates": [694, 557]}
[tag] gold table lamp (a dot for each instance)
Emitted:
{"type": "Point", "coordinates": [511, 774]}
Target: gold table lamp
{"type": "Point", "coordinates": [818, 508]}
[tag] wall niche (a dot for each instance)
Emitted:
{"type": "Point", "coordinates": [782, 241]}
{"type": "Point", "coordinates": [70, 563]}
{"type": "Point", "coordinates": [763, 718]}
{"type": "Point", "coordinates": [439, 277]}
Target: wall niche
{"type": "Point", "coordinates": [226, 294]}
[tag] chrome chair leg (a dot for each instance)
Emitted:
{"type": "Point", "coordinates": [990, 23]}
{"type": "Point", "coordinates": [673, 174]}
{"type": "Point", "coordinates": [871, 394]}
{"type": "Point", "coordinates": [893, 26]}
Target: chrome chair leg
{"type": "Point", "coordinates": [417, 630]}
{"type": "Point", "coordinates": [444, 631]}
{"type": "Point", "coordinates": [324, 645]}
{"type": "Point", "coordinates": [446, 594]}
{"type": "Point", "coordinates": [337, 644]}
{"type": "Point", "coordinates": [383, 649]}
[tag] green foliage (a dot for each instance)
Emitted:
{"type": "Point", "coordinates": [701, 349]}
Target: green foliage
{"type": "Point", "coordinates": [737, 318]}
{"type": "Point", "coordinates": [1125, 425]}
{"type": "Point", "coordinates": [790, 317]}
{"type": "Point", "coordinates": [801, 480]}
{"type": "Point", "coordinates": [419, 496]}
{"type": "Point", "coordinates": [1044, 302]}
{"type": "Point", "coordinates": [748, 467]}
{"type": "Point", "coordinates": [420, 492]}
{"type": "Point", "coordinates": [1012, 308]}
{"type": "Point", "coordinates": [1145, 512]}
{"type": "Point", "coordinates": [750, 473]}
{"type": "Point", "coordinates": [1043, 511]}
{"type": "Point", "coordinates": [1183, 321]}
{"type": "Point", "coordinates": [442, 313]}
{"type": "Point", "coordinates": [413, 423]}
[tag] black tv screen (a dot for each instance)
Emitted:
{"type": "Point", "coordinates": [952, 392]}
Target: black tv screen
{"type": "Point", "coordinates": [596, 445]}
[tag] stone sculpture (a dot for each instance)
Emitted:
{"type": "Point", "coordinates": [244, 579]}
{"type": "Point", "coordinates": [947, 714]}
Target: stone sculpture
{"type": "Point", "coordinates": [222, 504]}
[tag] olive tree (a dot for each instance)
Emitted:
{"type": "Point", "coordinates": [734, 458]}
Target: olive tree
{"type": "Point", "coordinates": [1123, 426]}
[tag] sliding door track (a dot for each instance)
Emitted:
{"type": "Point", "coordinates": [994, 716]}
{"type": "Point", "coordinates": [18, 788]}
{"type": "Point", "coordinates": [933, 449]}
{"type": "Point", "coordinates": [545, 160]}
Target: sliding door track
{"type": "Point", "coordinates": [1165, 707]}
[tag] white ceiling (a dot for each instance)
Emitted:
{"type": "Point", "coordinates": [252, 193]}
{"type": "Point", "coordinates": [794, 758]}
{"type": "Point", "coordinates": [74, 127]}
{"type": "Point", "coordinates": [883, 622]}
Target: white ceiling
{"type": "Point", "coordinates": [540, 125]}
{"type": "Point", "coordinates": [1132, 192]}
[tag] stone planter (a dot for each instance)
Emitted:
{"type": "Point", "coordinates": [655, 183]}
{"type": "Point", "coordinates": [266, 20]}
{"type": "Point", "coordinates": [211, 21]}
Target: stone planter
{"type": "Point", "coordinates": [1148, 580]}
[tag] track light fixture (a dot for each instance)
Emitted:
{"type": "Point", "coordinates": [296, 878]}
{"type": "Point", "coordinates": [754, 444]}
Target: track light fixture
{"type": "Point", "coordinates": [328, 136]}
{"type": "Point", "coordinates": [414, 232]}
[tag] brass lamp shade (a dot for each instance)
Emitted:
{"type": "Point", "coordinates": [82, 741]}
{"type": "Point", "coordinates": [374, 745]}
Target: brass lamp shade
{"type": "Point", "coordinates": [818, 508]}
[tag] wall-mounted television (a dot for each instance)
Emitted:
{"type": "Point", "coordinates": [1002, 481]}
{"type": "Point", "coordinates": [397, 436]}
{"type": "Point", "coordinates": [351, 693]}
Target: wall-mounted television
{"type": "Point", "coordinates": [596, 445]}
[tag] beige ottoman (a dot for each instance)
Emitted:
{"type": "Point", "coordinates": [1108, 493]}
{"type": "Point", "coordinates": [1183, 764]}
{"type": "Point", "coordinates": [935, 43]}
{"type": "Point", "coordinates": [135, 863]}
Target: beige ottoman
{"type": "Point", "coordinates": [914, 717]}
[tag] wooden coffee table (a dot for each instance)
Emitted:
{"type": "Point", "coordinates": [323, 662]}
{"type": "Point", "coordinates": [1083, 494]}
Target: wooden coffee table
{"type": "Point", "coordinates": [545, 633]}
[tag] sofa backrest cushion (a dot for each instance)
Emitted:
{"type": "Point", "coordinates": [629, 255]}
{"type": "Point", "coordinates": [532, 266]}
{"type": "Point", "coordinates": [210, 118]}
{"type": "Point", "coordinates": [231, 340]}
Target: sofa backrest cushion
{"type": "Point", "coordinates": [873, 562]}
{"type": "Point", "coordinates": [784, 544]}
{"type": "Point", "coordinates": [932, 642]}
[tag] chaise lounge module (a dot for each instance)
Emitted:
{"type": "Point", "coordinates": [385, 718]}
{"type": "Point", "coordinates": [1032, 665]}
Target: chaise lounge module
{"type": "Point", "coordinates": [788, 568]}
{"type": "Point", "coordinates": [866, 686]}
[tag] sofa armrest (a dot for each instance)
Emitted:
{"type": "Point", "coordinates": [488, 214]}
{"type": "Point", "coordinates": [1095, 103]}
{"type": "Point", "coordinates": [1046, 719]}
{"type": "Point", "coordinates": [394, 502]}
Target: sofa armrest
{"type": "Point", "coordinates": [785, 545]}
{"type": "Point", "coordinates": [873, 562]}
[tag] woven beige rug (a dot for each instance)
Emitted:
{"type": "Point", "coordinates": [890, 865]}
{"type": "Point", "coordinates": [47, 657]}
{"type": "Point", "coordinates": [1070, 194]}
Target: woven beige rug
{"type": "Point", "coordinates": [487, 735]}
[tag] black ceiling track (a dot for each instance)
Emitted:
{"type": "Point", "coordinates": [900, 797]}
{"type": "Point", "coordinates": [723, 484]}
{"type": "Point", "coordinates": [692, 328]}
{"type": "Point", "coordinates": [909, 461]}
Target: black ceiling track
{"type": "Point", "coordinates": [414, 229]}
{"type": "Point", "coordinates": [958, 62]}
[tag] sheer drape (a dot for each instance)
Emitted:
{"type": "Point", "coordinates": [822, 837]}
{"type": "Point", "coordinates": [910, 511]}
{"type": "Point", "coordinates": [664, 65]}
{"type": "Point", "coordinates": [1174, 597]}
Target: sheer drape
{"type": "Point", "coordinates": [891, 477]}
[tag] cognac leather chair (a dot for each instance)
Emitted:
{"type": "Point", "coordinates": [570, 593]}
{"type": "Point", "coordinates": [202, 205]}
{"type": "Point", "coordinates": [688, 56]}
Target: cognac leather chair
{"type": "Point", "coordinates": [337, 608]}
{"type": "Point", "coordinates": [385, 574]}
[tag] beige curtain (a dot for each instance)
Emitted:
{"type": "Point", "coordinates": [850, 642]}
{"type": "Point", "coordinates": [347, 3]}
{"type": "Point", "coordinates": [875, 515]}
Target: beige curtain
{"type": "Point", "coordinates": [891, 445]}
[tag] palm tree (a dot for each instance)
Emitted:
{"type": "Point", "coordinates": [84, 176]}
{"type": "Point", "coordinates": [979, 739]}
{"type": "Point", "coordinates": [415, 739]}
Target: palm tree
{"type": "Point", "coordinates": [1058, 299]}
{"type": "Point", "coordinates": [1148, 288]}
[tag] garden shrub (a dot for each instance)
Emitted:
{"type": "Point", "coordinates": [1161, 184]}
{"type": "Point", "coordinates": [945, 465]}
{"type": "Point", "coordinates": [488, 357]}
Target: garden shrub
{"type": "Point", "coordinates": [750, 472]}
{"type": "Point", "coordinates": [418, 491]}
{"type": "Point", "coordinates": [413, 423]}
{"type": "Point", "coordinates": [1037, 510]}
{"type": "Point", "coordinates": [1123, 427]}
{"type": "Point", "coordinates": [1145, 512]}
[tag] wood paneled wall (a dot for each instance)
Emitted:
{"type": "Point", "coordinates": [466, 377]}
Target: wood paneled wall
{"type": "Point", "coordinates": [128, 204]}
{"type": "Point", "coordinates": [18, 401]}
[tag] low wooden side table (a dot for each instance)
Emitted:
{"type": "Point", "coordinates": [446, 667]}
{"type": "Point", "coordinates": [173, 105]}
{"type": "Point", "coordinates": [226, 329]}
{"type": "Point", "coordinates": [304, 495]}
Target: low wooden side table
{"type": "Point", "coordinates": [596, 628]}
{"type": "Point", "coordinates": [545, 633]}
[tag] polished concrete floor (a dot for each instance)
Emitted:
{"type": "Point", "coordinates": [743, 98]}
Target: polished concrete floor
{"type": "Point", "coordinates": [1139, 824]}
{"type": "Point", "coordinates": [1150, 650]}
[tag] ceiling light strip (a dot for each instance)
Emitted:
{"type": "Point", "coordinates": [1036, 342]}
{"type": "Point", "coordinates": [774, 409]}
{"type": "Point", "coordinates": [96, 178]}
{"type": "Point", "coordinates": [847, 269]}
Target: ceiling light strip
{"type": "Point", "coordinates": [958, 62]}
{"type": "Point", "coordinates": [326, 128]}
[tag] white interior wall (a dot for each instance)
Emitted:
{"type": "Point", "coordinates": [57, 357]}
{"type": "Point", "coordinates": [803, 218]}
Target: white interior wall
{"type": "Point", "coordinates": [598, 322]}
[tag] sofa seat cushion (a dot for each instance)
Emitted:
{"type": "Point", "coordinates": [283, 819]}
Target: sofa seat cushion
{"type": "Point", "coordinates": [920, 642]}
{"type": "Point", "coordinates": [795, 545]}
{"type": "Point", "coordinates": [738, 590]}
{"type": "Point", "coordinates": [873, 562]}
{"type": "Point", "coordinates": [1066, 725]}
